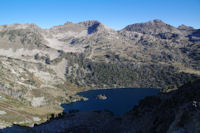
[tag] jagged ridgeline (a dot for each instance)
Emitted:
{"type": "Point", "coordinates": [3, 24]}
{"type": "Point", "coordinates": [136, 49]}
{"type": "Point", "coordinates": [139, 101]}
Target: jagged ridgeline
{"type": "Point", "coordinates": [91, 55]}
{"type": "Point", "coordinates": [42, 68]}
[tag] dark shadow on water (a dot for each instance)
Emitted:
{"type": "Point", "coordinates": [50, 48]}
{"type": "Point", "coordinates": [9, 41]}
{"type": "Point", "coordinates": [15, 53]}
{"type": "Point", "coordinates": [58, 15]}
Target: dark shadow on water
{"type": "Point", "coordinates": [118, 101]}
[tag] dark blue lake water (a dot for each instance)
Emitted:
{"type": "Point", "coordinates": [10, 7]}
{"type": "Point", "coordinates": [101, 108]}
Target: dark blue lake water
{"type": "Point", "coordinates": [119, 101]}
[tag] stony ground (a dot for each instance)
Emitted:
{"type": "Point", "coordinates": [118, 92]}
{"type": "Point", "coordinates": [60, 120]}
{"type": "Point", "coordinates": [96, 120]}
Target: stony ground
{"type": "Point", "coordinates": [42, 68]}
{"type": "Point", "coordinates": [174, 112]}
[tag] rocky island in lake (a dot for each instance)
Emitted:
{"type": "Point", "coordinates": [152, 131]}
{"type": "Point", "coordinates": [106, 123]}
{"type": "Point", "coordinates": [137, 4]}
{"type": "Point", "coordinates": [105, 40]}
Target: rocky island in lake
{"type": "Point", "coordinates": [101, 97]}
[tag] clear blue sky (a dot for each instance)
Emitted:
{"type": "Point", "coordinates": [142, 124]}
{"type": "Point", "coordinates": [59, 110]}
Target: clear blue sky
{"type": "Point", "coordinates": [113, 13]}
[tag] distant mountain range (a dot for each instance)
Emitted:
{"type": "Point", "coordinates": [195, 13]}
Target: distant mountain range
{"type": "Point", "coordinates": [46, 67]}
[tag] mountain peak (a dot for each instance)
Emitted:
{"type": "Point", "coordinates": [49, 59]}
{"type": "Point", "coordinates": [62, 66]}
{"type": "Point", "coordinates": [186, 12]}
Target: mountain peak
{"type": "Point", "coordinates": [151, 27]}
{"type": "Point", "coordinates": [17, 26]}
{"type": "Point", "coordinates": [157, 21]}
{"type": "Point", "coordinates": [184, 27]}
{"type": "Point", "coordinates": [89, 23]}
{"type": "Point", "coordinates": [68, 22]}
{"type": "Point", "coordinates": [22, 26]}
{"type": "Point", "coordinates": [92, 25]}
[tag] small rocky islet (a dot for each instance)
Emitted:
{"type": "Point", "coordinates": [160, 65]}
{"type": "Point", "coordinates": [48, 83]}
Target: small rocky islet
{"type": "Point", "coordinates": [101, 97]}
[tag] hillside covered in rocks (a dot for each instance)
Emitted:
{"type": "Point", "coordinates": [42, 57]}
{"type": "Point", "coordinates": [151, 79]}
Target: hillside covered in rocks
{"type": "Point", "coordinates": [42, 68]}
{"type": "Point", "coordinates": [174, 112]}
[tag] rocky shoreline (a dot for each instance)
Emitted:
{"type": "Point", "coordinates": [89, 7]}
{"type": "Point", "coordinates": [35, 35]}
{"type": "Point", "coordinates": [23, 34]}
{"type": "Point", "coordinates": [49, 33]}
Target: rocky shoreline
{"type": "Point", "coordinates": [177, 111]}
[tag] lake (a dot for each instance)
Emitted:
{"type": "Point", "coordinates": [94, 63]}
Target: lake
{"type": "Point", "coordinates": [119, 101]}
